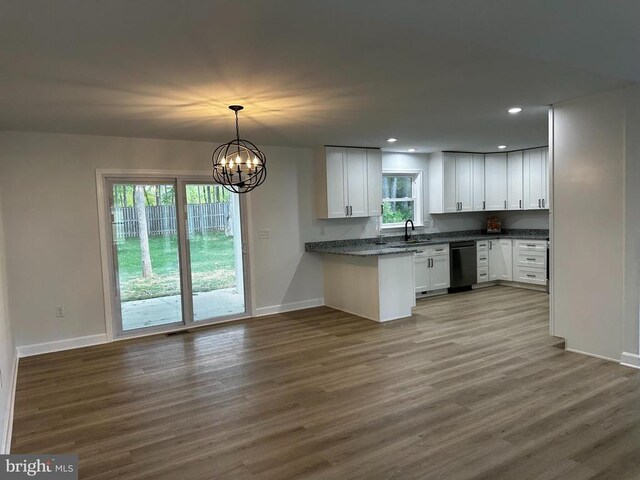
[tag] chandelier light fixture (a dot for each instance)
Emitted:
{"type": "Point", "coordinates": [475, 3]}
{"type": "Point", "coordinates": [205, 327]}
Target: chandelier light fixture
{"type": "Point", "coordinates": [238, 165]}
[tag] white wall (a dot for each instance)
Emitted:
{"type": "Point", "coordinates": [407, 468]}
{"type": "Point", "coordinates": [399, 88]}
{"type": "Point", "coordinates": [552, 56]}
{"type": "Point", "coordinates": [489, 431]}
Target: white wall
{"type": "Point", "coordinates": [50, 209]}
{"type": "Point", "coordinates": [631, 334]}
{"type": "Point", "coordinates": [596, 231]}
{"type": "Point", "coordinates": [7, 349]}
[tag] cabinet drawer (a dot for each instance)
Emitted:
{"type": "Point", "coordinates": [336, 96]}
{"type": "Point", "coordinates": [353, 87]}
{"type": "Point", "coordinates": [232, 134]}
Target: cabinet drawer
{"type": "Point", "coordinates": [531, 245]}
{"type": "Point", "coordinates": [482, 245]}
{"type": "Point", "coordinates": [436, 250]}
{"type": "Point", "coordinates": [483, 274]}
{"type": "Point", "coordinates": [534, 275]}
{"type": "Point", "coordinates": [530, 259]}
{"type": "Point", "coordinates": [483, 259]}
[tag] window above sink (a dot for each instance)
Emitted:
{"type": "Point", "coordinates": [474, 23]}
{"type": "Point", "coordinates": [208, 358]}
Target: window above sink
{"type": "Point", "coordinates": [401, 198]}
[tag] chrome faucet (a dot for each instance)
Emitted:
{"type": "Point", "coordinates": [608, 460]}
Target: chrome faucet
{"type": "Point", "coordinates": [407, 235]}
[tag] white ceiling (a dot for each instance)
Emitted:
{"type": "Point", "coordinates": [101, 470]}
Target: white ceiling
{"type": "Point", "coordinates": [434, 74]}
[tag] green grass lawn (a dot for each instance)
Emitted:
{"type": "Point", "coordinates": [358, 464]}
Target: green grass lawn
{"type": "Point", "coordinates": [212, 265]}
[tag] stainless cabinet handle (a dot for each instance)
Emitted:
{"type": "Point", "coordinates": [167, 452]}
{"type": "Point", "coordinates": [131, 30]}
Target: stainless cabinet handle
{"type": "Point", "coordinates": [350, 211]}
{"type": "Point", "coordinates": [543, 203]}
{"type": "Point", "coordinates": [483, 258]}
{"type": "Point", "coordinates": [539, 203]}
{"type": "Point", "coordinates": [490, 245]}
{"type": "Point", "coordinates": [460, 206]}
{"type": "Point", "coordinates": [381, 209]}
{"type": "Point", "coordinates": [531, 276]}
{"type": "Point", "coordinates": [346, 211]}
{"type": "Point", "coordinates": [519, 203]}
{"type": "Point", "coordinates": [531, 259]}
{"type": "Point", "coordinates": [484, 205]}
{"type": "Point", "coordinates": [439, 249]}
{"type": "Point", "coordinates": [505, 204]}
{"type": "Point", "coordinates": [531, 244]}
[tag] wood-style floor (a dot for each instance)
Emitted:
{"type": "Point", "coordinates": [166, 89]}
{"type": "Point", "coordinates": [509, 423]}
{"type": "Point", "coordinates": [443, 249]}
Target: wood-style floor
{"type": "Point", "coordinates": [471, 387]}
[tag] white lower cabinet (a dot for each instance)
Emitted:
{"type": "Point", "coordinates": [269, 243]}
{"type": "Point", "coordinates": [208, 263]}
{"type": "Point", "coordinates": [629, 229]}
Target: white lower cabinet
{"type": "Point", "coordinates": [482, 252]}
{"type": "Point", "coordinates": [500, 260]}
{"type": "Point", "coordinates": [440, 272]}
{"type": "Point", "coordinates": [530, 261]}
{"type": "Point", "coordinates": [422, 263]}
{"type": "Point", "coordinates": [432, 268]}
{"type": "Point", "coordinates": [533, 275]}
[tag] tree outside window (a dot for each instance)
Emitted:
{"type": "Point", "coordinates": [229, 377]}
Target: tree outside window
{"type": "Point", "coordinates": [400, 198]}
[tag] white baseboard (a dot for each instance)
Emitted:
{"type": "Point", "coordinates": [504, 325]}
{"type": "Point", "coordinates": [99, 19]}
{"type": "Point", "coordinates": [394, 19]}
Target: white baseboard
{"type": "Point", "coordinates": [289, 307]}
{"type": "Point", "coordinates": [630, 360]}
{"type": "Point", "coordinates": [594, 355]}
{"type": "Point", "coordinates": [5, 448]}
{"type": "Point", "coordinates": [60, 345]}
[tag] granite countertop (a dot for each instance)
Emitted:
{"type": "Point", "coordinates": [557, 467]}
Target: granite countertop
{"type": "Point", "coordinates": [394, 245]}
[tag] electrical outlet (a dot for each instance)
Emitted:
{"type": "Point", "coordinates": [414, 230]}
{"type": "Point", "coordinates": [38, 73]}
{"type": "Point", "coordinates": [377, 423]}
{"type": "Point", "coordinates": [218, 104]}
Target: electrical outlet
{"type": "Point", "coordinates": [59, 311]}
{"type": "Point", "coordinates": [263, 234]}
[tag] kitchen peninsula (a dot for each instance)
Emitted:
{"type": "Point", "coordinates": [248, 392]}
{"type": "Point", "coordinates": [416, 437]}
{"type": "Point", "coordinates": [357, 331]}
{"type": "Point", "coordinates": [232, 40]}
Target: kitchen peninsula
{"type": "Point", "coordinates": [378, 281]}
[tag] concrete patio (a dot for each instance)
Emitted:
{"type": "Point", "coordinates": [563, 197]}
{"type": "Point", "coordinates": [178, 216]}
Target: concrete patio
{"type": "Point", "coordinates": [165, 310]}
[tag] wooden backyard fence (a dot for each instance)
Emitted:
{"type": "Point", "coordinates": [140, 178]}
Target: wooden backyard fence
{"type": "Point", "coordinates": [161, 219]}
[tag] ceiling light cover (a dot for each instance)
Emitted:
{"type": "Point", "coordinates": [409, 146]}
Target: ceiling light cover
{"type": "Point", "coordinates": [391, 140]}
{"type": "Point", "coordinates": [239, 166]}
{"type": "Point", "coordinates": [515, 110]}
{"type": "Point", "coordinates": [411, 150]}
{"type": "Point", "coordinates": [502, 147]}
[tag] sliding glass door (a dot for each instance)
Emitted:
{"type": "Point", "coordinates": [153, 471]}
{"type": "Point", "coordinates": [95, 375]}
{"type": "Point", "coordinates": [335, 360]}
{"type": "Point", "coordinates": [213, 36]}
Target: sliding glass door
{"type": "Point", "coordinates": [215, 251]}
{"type": "Point", "coordinates": [177, 255]}
{"type": "Point", "coordinates": [146, 254]}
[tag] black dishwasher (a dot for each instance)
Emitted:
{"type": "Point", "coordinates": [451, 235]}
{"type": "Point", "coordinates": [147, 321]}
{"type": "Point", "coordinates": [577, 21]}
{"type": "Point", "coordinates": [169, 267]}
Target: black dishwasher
{"type": "Point", "coordinates": [463, 265]}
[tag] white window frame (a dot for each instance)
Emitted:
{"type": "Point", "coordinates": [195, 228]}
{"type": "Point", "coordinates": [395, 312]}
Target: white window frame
{"type": "Point", "coordinates": [417, 198]}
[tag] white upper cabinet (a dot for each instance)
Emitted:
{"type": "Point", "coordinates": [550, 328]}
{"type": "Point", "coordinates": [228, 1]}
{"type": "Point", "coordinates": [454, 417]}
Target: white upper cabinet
{"type": "Point", "coordinates": [374, 181]}
{"type": "Point", "coordinates": [450, 183]}
{"type": "Point", "coordinates": [514, 181]}
{"type": "Point", "coordinates": [472, 182]}
{"type": "Point", "coordinates": [535, 183]}
{"type": "Point", "coordinates": [464, 182]}
{"type": "Point", "coordinates": [478, 182]}
{"type": "Point", "coordinates": [495, 181]}
{"type": "Point", "coordinates": [346, 180]}
{"type": "Point", "coordinates": [545, 157]}
{"type": "Point", "coordinates": [449, 198]}
{"type": "Point", "coordinates": [357, 182]}
{"type": "Point", "coordinates": [335, 180]}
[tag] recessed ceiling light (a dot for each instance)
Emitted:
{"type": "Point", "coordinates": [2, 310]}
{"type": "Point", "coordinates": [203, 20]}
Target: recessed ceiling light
{"type": "Point", "coordinates": [502, 147]}
{"type": "Point", "coordinates": [515, 110]}
{"type": "Point", "coordinates": [391, 140]}
{"type": "Point", "coordinates": [411, 150]}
